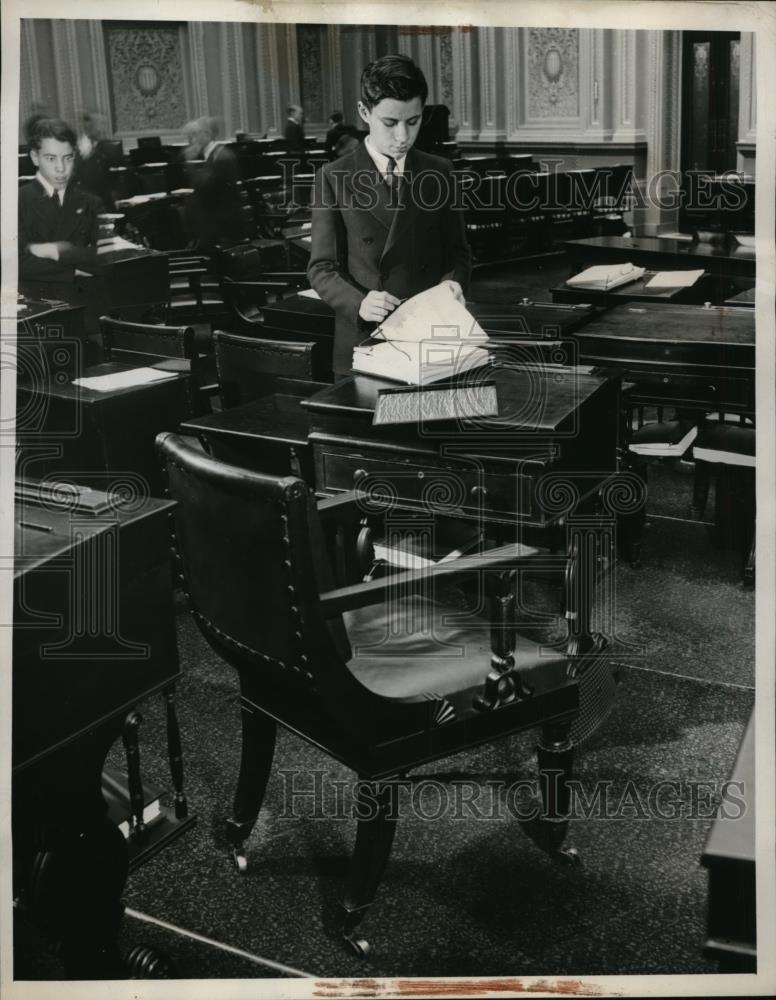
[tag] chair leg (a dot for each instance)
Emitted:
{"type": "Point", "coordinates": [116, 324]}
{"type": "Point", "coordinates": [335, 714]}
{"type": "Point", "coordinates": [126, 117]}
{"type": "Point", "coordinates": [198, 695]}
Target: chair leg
{"type": "Point", "coordinates": [555, 754]}
{"type": "Point", "coordinates": [258, 747]}
{"type": "Point", "coordinates": [700, 489]}
{"type": "Point", "coordinates": [749, 566]}
{"type": "Point", "coordinates": [375, 809]}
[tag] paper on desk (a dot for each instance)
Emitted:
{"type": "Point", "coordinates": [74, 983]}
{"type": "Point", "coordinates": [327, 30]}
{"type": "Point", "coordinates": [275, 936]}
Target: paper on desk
{"type": "Point", "coordinates": [674, 279]}
{"type": "Point", "coordinates": [123, 380]}
{"type": "Point", "coordinates": [433, 314]}
{"type": "Point", "coordinates": [114, 243]}
{"type": "Point", "coordinates": [309, 293]}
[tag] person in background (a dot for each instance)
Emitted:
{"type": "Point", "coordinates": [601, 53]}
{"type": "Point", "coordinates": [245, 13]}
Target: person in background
{"type": "Point", "coordinates": [338, 129]}
{"type": "Point", "coordinates": [38, 110]}
{"type": "Point", "coordinates": [293, 133]}
{"type": "Point", "coordinates": [58, 220]}
{"type": "Point", "coordinates": [345, 144]}
{"type": "Point", "coordinates": [92, 168]}
{"type": "Point", "coordinates": [213, 213]}
{"type": "Point", "coordinates": [384, 226]}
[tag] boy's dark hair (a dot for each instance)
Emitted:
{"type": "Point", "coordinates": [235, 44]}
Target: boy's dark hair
{"type": "Point", "coordinates": [51, 128]}
{"type": "Point", "coordinates": [395, 77]}
{"type": "Point", "coordinates": [336, 117]}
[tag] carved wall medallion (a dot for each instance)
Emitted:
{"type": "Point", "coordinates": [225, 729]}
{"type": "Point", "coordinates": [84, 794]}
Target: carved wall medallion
{"type": "Point", "coordinates": [146, 69]}
{"type": "Point", "coordinates": [552, 68]}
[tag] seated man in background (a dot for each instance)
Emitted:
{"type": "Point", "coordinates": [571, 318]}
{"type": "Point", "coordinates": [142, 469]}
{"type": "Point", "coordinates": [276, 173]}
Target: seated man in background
{"type": "Point", "coordinates": [213, 213]}
{"type": "Point", "coordinates": [294, 130]}
{"type": "Point", "coordinates": [58, 220]}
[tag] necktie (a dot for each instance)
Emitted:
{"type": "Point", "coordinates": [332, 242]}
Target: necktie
{"type": "Point", "coordinates": [391, 177]}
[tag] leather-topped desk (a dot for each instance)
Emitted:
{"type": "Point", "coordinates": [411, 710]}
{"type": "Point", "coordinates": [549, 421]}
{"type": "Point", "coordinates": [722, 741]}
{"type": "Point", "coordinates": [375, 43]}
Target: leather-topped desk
{"type": "Point", "coordinates": [685, 356]}
{"type": "Point", "coordinates": [727, 259]}
{"type": "Point", "coordinates": [94, 634]}
{"type": "Point", "coordinates": [730, 858]}
{"type": "Point", "coordinates": [268, 434]}
{"type": "Point", "coordinates": [98, 438]}
{"type": "Point", "coordinates": [703, 290]}
{"type": "Point", "coordinates": [555, 426]}
{"type": "Point", "coordinates": [300, 314]}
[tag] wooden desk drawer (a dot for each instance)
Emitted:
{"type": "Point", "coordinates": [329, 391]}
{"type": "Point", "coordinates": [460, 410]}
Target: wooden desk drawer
{"type": "Point", "coordinates": [431, 483]}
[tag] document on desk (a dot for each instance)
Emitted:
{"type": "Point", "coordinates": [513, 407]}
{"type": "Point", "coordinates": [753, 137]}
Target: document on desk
{"type": "Point", "coordinates": [309, 293]}
{"type": "Point", "coordinates": [123, 380]}
{"type": "Point", "coordinates": [604, 277]}
{"type": "Point", "coordinates": [675, 279]}
{"type": "Point", "coordinates": [428, 337]}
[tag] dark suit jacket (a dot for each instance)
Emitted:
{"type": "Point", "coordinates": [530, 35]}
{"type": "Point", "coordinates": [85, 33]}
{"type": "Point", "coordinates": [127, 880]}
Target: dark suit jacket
{"type": "Point", "coordinates": [293, 134]}
{"type": "Point", "coordinates": [213, 212]}
{"type": "Point", "coordinates": [360, 242]}
{"type": "Point", "coordinates": [43, 221]}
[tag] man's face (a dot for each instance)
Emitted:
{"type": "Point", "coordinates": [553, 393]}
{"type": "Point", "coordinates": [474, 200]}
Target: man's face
{"type": "Point", "coordinates": [393, 125]}
{"type": "Point", "coordinates": [55, 161]}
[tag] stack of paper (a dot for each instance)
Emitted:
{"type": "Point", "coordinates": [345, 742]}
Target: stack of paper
{"type": "Point", "coordinates": [674, 279]}
{"type": "Point", "coordinates": [427, 338]}
{"type": "Point", "coordinates": [123, 380]}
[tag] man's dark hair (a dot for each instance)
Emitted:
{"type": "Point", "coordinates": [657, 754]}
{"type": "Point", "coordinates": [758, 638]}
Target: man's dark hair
{"type": "Point", "coordinates": [51, 128]}
{"type": "Point", "coordinates": [336, 117]}
{"type": "Point", "coordinates": [395, 77]}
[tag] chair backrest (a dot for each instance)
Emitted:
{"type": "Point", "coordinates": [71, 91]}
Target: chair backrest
{"type": "Point", "coordinates": [249, 367]}
{"type": "Point", "coordinates": [250, 552]}
{"type": "Point", "coordinates": [143, 343]}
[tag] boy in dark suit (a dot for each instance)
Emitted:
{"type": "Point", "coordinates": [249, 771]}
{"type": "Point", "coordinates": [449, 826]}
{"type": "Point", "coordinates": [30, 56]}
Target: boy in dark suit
{"type": "Point", "coordinates": [213, 212]}
{"type": "Point", "coordinates": [58, 221]}
{"type": "Point", "coordinates": [384, 225]}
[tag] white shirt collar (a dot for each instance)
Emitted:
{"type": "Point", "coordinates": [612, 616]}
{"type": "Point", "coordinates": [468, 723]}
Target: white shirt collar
{"type": "Point", "coordinates": [49, 188]}
{"type": "Point", "coordinates": [208, 149]}
{"type": "Point", "coordinates": [381, 161]}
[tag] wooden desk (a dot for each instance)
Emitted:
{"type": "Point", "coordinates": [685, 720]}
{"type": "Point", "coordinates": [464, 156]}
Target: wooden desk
{"type": "Point", "coordinates": [556, 425]}
{"type": "Point", "coordinates": [51, 340]}
{"type": "Point", "coordinates": [745, 298]}
{"type": "Point", "coordinates": [730, 858]}
{"type": "Point", "coordinates": [541, 319]}
{"type": "Point", "coordinates": [300, 314]}
{"type": "Point", "coordinates": [727, 259]}
{"type": "Point", "coordinates": [268, 434]}
{"type": "Point", "coordinates": [94, 634]}
{"type": "Point", "coordinates": [130, 280]}
{"type": "Point", "coordinates": [683, 356]}
{"type": "Point", "coordinates": [704, 290]}
{"type": "Point", "coordinates": [98, 438]}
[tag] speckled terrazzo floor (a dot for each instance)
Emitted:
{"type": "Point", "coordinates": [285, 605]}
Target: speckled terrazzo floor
{"type": "Point", "coordinates": [476, 897]}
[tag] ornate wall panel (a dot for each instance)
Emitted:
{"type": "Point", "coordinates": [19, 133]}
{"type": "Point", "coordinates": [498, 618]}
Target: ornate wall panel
{"type": "Point", "coordinates": [552, 73]}
{"type": "Point", "coordinates": [310, 40]}
{"type": "Point", "coordinates": [146, 70]}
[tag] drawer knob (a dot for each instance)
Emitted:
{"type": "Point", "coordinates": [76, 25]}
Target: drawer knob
{"type": "Point", "coordinates": [358, 474]}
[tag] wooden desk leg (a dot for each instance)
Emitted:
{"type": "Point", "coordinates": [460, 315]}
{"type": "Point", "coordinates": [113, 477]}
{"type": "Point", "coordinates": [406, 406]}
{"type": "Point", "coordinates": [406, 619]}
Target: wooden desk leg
{"type": "Point", "coordinates": [70, 861]}
{"type": "Point", "coordinates": [555, 754]}
{"type": "Point", "coordinates": [700, 489]}
{"type": "Point", "coordinates": [749, 567]}
{"type": "Point", "coordinates": [175, 753]}
{"type": "Point", "coordinates": [129, 736]}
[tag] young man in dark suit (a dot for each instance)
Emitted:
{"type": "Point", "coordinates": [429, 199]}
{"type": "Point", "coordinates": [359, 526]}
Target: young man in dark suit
{"type": "Point", "coordinates": [384, 222]}
{"type": "Point", "coordinates": [58, 221]}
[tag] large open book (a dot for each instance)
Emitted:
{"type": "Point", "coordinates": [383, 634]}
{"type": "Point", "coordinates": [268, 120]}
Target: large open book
{"type": "Point", "coordinates": [427, 338]}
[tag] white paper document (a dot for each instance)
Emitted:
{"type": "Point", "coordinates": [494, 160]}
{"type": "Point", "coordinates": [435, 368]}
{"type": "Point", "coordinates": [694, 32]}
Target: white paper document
{"type": "Point", "coordinates": [123, 380]}
{"type": "Point", "coordinates": [606, 276]}
{"type": "Point", "coordinates": [674, 279]}
{"type": "Point", "coordinates": [309, 293]}
{"type": "Point", "coordinates": [435, 314]}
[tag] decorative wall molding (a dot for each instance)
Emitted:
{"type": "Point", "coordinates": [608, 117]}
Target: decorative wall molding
{"type": "Point", "coordinates": [464, 69]}
{"type": "Point", "coordinates": [29, 76]}
{"type": "Point", "coordinates": [269, 95]}
{"type": "Point", "coordinates": [99, 63]}
{"type": "Point", "coordinates": [66, 65]}
{"type": "Point", "coordinates": [490, 73]}
{"type": "Point", "coordinates": [198, 77]}
{"type": "Point", "coordinates": [747, 108]}
{"type": "Point", "coordinates": [551, 70]}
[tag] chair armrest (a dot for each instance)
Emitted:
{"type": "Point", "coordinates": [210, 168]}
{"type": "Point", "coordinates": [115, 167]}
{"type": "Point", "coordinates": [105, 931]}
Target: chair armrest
{"type": "Point", "coordinates": [334, 602]}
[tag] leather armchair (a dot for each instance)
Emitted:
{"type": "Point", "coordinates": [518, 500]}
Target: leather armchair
{"type": "Point", "coordinates": [253, 552]}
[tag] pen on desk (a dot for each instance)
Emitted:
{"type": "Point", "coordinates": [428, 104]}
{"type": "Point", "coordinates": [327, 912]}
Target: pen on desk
{"type": "Point", "coordinates": [34, 525]}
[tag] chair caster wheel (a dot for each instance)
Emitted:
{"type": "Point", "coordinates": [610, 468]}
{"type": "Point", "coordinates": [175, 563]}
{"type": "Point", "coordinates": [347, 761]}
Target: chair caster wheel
{"type": "Point", "coordinates": [569, 856]}
{"type": "Point", "coordinates": [359, 946]}
{"type": "Point", "coordinates": [240, 860]}
{"type": "Point", "coordinates": [146, 963]}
